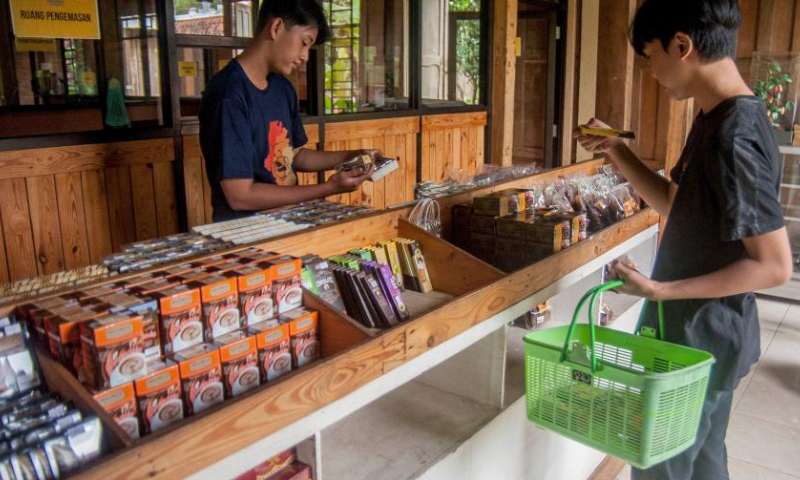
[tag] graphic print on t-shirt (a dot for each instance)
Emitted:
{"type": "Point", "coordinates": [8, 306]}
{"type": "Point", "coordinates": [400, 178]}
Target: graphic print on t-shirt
{"type": "Point", "coordinates": [280, 154]}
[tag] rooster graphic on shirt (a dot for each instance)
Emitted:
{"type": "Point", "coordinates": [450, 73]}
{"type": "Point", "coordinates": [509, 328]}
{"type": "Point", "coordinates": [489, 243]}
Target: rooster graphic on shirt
{"type": "Point", "coordinates": [280, 154]}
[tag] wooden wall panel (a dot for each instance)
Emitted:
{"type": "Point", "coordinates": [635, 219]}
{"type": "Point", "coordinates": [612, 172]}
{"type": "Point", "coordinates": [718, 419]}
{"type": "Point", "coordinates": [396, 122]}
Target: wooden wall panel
{"type": "Point", "coordinates": [45, 224]}
{"type": "Point", "coordinates": [396, 137]}
{"type": "Point", "coordinates": [165, 199]}
{"type": "Point", "coordinates": [95, 206]}
{"type": "Point", "coordinates": [452, 145]}
{"type": "Point", "coordinates": [144, 209]}
{"type": "Point", "coordinates": [20, 249]}
{"type": "Point", "coordinates": [193, 174]}
{"type": "Point", "coordinates": [73, 220]}
{"type": "Point", "coordinates": [120, 207]}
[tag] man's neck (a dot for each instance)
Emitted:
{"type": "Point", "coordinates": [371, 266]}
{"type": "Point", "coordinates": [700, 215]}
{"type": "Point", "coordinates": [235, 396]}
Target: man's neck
{"type": "Point", "coordinates": [255, 63]}
{"type": "Point", "coordinates": [716, 82]}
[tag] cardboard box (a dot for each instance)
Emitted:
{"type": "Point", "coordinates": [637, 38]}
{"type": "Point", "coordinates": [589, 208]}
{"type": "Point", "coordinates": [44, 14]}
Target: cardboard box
{"type": "Point", "coordinates": [303, 327]}
{"type": "Point", "coordinates": [274, 349]}
{"type": "Point", "coordinates": [287, 293]}
{"type": "Point", "coordinates": [120, 403]}
{"type": "Point", "coordinates": [220, 304]}
{"type": "Point", "coordinates": [238, 356]}
{"type": "Point", "coordinates": [267, 469]}
{"type": "Point", "coordinates": [180, 318]}
{"type": "Point", "coordinates": [201, 377]}
{"type": "Point", "coordinates": [147, 307]}
{"type": "Point", "coordinates": [255, 294]}
{"type": "Point", "coordinates": [113, 350]}
{"type": "Point", "coordinates": [295, 471]}
{"type": "Point", "coordinates": [158, 396]}
{"type": "Point", "coordinates": [483, 224]}
{"type": "Point", "coordinates": [64, 335]}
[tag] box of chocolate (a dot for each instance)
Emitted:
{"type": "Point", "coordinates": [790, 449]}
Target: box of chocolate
{"type": "Point", "coordinates": [99, 291]}
{"type": "Point", "coordinates": [154, 286]}
{"type": "Point", "coordinates": [180, 318]}
{"type": "Point", "coordinates": [255, 294]}
{"type": "Point", "coordinates": [220, 299]}
{"type": "Point", "coordinates": [64, 335]}
{"type": "Point", "coordinates": [139, 280]}
{"type": "Point", "coordinates": [238, 355]}
{"type": "Point", "coordinates": [120, 403]}
{"type": "Point", "coordinates": [579, 224]}
{"type": "Point", "coordinates": [147, 307]}
{"type": "Point", "coordinates": [274, 349]}
{"type": "Point", "coordinates": [113, 350]}
{"type": "Point", "coordinates": [515, 225]}
{"type": "Point", "coordinates": [303, 327]}
{"type": "Point", "coordinates": [482, 246]}
{"type": "Point", "coordinates": [495, 205]}
{"type": "Point", "coordinates": [461, 215]}
{"type": "Point", "coordinates": [483, 224]}
{"type": "Point", "coordinates": [158, 396]}
{"type": "Point", "coordinates": [295, 471]}
{"type": "Point", "coordinates": [201, 377]}
{"type": "Point", "coordinates": [393, 257]}
{"type": "Point", "coordinates": [322, 278]}
{"type": "Point", "coordinates": [177, 270]}
{"type": "Point", "coordinates": [550, 231]}
{"type": "Point", "coordinates": [287, 293]}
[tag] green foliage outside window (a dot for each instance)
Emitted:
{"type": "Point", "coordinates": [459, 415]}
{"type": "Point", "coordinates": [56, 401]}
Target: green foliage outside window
{"type": "Point", "coordinates": [468, 52]}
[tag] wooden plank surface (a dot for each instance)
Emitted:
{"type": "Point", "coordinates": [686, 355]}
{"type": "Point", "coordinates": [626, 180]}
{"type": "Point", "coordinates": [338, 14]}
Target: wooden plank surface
{"type": "Point", "coordinates": [95, 205]}
{"type": "Point", "coordinates": [450, 121]}
{"type": "Point", "coordinates": [337, 333]}
{"type": "Point", "coordinates": [20, 248]}
{"type": "Point", "coordinates": [410, 166]}
{"type": "Point", "coordinates": [615, 63]}
{"type": "Point", "coordinates": [312, 133]}
{"type": "Point", "coordinates": [193, 172]}
{"type": "Point", "coordinates": [503, 81]}
{"type": "Point", "coordinates": [343, 131]}
{"type": "Point", "coordinates": [4, 278]}
{"type": "Point", "coordinates": [79, 158]}
{"type": "Point", "coordinates": [165, 199]}
{"type": "Point", "coordinates": [120, 207]}
{"type": "Point", "coordinates": [74, 236]}
{"type": "Point", "coordinates": [45, 224]}
{"type": "Point", "coordinates": [144, 208]}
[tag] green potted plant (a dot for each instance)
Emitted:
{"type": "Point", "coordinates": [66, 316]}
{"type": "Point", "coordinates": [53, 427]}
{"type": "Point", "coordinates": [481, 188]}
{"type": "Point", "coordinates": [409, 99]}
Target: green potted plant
{"type": "Point", "coordinates": [775, 91]}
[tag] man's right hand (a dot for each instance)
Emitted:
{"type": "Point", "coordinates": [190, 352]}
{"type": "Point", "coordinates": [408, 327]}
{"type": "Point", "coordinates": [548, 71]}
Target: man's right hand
{"type": "Point", "coordinates": [348, 181]}
{"type": "Point", "coordinates": [594, 143]}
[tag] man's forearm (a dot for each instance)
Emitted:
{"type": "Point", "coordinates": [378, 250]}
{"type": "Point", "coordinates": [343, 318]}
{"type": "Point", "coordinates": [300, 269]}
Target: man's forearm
{"type": "Point", "coordinates": [746, 275]}
{"type": "Point", "coordinates": [263, 196]}
{"type": "Point", "coordinates": [651, 186]}
{"type": "Point", "coordinates": [316, 161]}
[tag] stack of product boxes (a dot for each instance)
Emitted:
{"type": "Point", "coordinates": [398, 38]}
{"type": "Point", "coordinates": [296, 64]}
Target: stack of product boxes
{"type": "Point", "coordinates": [162, 346]}
{"type": "Point", "coordinates": [505, 230]}
{"type": "Point", "coordinates": [368, 283]}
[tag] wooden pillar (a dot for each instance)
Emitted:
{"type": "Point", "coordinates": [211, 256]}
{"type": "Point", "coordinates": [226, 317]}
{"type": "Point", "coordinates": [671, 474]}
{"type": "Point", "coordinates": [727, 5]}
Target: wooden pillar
{"type": "Point", "coordinates": [9, 93]}
{"type": "Point", "coordinates": [503, 75]}
{"type": "Point", "coordinates": [568, 143]}
{"type": "Point", "coordinates": [615, 63]}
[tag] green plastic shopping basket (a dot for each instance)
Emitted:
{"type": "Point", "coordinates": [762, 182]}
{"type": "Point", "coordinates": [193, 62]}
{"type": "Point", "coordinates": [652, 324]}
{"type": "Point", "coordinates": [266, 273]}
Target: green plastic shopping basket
{"type": "Point", "coordinates": [630, 396]}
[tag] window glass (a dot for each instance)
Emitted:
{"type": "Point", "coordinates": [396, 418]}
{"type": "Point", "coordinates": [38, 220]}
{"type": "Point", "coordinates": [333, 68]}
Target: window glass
{"type": "Point", "coordinates": [229, 18]}
{"type": "Point", "coordinates": [366, 63]}
{"type": "Point", "coordinates": [451, 52]}
{"type": "Point", "coordinates": [299, 79]}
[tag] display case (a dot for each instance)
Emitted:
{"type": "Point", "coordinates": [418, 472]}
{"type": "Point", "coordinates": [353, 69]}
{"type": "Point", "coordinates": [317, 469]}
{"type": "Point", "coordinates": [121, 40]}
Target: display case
{"type": "Point", "coordinates": [790, 201]}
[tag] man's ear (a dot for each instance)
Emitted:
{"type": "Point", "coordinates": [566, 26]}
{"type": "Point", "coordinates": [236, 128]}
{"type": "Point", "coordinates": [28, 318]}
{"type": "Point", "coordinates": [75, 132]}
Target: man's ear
{"type": "Point", "coordinates": [684, 44]}
{"type": "Point", "coordinates": [274, 28]}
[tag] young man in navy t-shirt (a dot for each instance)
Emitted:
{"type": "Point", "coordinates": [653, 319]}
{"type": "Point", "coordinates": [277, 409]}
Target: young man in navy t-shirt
{"type": "Point", "coordinates": [725, 237]}
{"type": "Point", "coordinates": [251, 133]}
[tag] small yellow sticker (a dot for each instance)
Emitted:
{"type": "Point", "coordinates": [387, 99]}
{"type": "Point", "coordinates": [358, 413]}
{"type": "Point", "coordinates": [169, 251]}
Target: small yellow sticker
{"type": "Point", "coordinates": [518, 46]}
{"type": "Point", "coordinates": [187, 69]}
{"type": "Point", "coordinates": [89, 79]}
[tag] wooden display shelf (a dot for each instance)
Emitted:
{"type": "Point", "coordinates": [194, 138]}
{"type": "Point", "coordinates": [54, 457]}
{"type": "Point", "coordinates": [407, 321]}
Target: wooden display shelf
{"type": "Point", "coordinates": [356, 359]}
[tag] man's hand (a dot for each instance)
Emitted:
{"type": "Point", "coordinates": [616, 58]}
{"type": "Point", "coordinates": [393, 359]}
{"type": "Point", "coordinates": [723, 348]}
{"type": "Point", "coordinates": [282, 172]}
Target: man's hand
{"type": "Point", "coordinates": [636, 284]}
{"type": "Point", "coordinates": [593, 143]}
{"type": "Point", "coordinates": [349, 181]}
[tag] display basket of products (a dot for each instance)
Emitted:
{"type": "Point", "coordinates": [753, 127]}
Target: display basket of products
{"type": "Point", "coordinates": [630, 396]}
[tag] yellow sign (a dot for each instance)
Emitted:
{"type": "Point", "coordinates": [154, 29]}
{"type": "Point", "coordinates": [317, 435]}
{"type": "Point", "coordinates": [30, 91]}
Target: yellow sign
{"type": "Point", "coordinates": [35, 44]}
{"type": "Point", "coordinates": [518, 46]}
{"type": "Point", "coordinates": [55, 18]}
{"type": "Point", "coordinates": [89, 79]}
{"type": "Point", "coordinates": [223, 64]}
{"type": "Point", "coordinates": [187, 69]}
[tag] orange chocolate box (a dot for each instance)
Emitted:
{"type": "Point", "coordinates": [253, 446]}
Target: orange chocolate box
{"type": "Point", "coordinates": [113, 350]}
{"type": "Point", "coordinates": [274, 349]}
{"type": "Point", "coordinates": [120, 403]}
{"type": "Point", "coordinates": [220, 304]}
{"type": "Point", "coordinates": [255, 294]}
{"type": "Point", "coordinates": [180, 318]}
{"type": "Point", "coordinates": [64, 335]}
{"type": "Point", "coordinates": [201, 377]}
{"type": "Point", "coordinates": [239, 358]}
{"type": "Point", "coordinates": [287, 292]}
{"type": "Point", "coordinates": [158, 396]}
{"type": "Point", "coordinates": [303, 332]}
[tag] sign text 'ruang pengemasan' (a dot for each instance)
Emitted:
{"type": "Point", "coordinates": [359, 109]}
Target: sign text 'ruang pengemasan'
{"type": "Point", "coordinates": [55, 18]}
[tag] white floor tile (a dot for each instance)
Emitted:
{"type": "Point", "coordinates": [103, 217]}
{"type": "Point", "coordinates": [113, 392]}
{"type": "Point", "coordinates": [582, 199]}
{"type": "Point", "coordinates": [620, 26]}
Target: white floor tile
{"type": "Point", "coordinates": [786, 342]}
{"type": "Point", "coordinates": [774, 392]}
{"type": "Point", "coordinates": [625, 474]}
{"type": "Point", "coordinates": [741, 470]}
{"type": "Point", "coordinates": [742, 388]}
{"type": "Point", "coordinates": [764, 443]}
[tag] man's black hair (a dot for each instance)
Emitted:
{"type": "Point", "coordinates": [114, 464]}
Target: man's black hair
{"type": "Point", "coordinates": [293, 13]}
{"type": "Point", "coordinates": [712, 25]}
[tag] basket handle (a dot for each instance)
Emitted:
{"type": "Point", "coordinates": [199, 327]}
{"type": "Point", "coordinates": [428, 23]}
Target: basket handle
{"type": "Point", "coordinates": [594, 295]}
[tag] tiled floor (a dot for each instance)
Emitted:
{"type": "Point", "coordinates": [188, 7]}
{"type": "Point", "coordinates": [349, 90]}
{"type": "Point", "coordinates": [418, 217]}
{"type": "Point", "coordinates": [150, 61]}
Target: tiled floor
{"type": "Point", "coordinates": [764, 434]}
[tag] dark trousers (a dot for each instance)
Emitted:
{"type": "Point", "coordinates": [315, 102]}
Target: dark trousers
{"type": "Point", "coordinates": [707, 459]}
